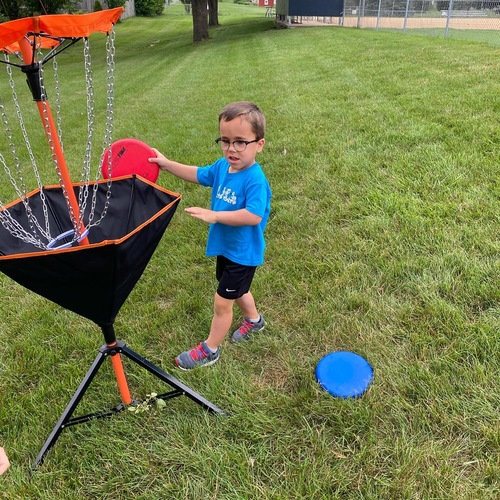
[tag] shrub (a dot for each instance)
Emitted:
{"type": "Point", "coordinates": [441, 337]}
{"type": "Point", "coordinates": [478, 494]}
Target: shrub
{"type": "Point", "coordinates": [149, 8]}
{"type": "Point", "coordinates": [115, 3]}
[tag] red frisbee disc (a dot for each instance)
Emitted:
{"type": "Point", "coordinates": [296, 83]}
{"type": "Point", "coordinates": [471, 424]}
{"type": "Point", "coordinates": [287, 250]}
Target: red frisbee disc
{"type": "Point", "coordinates": [129, 156]}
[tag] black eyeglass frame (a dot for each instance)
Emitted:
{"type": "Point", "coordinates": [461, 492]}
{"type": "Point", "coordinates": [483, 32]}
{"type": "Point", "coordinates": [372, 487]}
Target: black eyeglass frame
{"type": "Point", "coordinates": [220, 140]}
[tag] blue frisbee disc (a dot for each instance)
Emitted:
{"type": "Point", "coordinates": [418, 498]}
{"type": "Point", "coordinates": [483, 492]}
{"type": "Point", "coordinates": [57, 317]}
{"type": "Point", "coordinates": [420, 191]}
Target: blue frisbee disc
{"type": "Point", "coordinates": [344, 374]}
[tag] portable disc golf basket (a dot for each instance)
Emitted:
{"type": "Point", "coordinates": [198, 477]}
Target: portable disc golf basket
{"type": "Point", "coordinates": [51, 239]}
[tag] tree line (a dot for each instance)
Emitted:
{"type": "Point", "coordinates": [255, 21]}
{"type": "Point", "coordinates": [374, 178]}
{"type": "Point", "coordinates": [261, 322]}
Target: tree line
{"type": "Point", "coordinates": [16, 9]}
{"type": "Point", "coordinates": [204, 12]}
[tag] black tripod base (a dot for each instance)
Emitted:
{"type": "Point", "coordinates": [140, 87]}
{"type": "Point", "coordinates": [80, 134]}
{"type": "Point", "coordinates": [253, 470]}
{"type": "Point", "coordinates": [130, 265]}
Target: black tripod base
{"type": "Point", "coordinates": [178, 389]}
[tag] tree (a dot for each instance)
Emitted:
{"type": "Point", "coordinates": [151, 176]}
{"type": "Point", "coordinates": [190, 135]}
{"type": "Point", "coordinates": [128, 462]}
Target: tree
{"type": "Point", "coordinates": [200, 20]}
{"type": "Point", "coordinates": [213, 12]}
{"type": "Point", "coordinates": [15, 9]}
{"type": "Point", "coordinates": [48, 6]}
{"type": "Point", "coordinates": [149, 8]}
{"type": "Point", "coordinates": [111, 4]}
{"type": "Point", "coordinates": [11, 9]}
{"type": "Point", "coordinates": [205, 13]}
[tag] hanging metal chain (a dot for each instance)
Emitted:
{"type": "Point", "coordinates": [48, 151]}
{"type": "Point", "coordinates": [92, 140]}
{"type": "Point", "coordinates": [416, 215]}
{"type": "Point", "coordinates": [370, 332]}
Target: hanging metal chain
{"type": "Point", "coordinates": [50, 139]}
{"type": "Point", "coordinates": [84, 188]}
{"type": "Point", "coordinates": [57, 93]}
{"type": "Point", "coordinates": [13, 226]}
{"type": "Point", "coordinates": [6, 220]}
{"type": "Point", "coordinates": [77, 224]}
{"type": "Point", "coordinates": [108, 135]}
{"type": "Point", "coordinates": [8, 132]}
{"type": "Point", "coordinates": [21, 192]}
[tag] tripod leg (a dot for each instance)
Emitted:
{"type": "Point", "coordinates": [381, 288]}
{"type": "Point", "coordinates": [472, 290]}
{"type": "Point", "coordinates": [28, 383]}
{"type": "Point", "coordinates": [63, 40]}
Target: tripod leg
{"type": "Point", "coordinates": [59, 427]}
{"type": "Point", "coordinates": [186, 391]}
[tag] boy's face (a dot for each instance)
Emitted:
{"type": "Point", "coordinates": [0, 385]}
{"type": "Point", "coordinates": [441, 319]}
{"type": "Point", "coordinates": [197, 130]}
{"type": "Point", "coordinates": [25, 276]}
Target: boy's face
{"type": "Point", "coordinates": [240, 130]}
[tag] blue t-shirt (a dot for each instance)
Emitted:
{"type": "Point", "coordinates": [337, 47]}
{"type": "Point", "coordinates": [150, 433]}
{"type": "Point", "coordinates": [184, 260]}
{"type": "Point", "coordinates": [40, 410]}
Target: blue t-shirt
{"type": "Point", "coordinates": [247, 189]}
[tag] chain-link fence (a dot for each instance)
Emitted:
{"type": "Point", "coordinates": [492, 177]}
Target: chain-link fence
{"type": "Point", "coordinates": [467, 19]}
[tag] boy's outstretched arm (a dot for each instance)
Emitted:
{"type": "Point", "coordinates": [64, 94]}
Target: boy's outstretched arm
{"type": "Point", "coordinates": [185, 172]}
{"type": "Point", "coordinates": [240, 217]}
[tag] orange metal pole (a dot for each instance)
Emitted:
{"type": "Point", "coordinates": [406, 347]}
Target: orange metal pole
{"type": "Point", "coordinates": [51, 132]}
{"type": "Point", "coordinates": [121, 379]}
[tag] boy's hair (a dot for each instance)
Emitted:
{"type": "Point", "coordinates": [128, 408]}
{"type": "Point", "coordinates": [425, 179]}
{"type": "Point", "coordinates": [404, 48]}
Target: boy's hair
{"type": "Point", "coordinates": [250, 112]}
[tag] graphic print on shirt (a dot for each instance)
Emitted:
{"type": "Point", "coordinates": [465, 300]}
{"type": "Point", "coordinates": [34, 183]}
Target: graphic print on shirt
{"type": "Point", "coordinates": [227, 195]}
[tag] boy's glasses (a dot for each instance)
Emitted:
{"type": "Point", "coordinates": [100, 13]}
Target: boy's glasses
{"type": "Point", "coordinates": [239, 146]}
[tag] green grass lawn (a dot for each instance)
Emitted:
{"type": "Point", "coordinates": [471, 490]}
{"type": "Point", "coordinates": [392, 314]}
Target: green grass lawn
{"type": "Point", "coordinates": [383, 155]}
{"type": "Point", "coordinates": [491, 37]}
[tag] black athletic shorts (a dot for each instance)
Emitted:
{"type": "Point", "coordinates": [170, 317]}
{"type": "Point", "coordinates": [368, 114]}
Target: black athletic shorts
{"type": "Point", "coordinates": [234, 279]}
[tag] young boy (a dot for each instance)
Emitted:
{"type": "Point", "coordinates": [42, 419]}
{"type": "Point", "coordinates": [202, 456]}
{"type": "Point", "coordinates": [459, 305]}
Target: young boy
{"type": "Point", "coordinates": [240, 206]}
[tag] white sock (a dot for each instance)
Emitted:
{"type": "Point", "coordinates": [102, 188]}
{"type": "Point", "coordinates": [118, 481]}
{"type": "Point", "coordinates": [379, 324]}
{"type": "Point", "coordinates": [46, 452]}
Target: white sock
{"type": "Point", "coordinates": [213, 351]}
{"type": "Point", "coordinates": [255, 320]}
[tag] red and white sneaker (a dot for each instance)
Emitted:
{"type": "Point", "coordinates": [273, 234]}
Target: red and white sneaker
{"type": "Point", "coordinates": [248, 328]}
{"type": "Point", "coordinates": [200, 355]}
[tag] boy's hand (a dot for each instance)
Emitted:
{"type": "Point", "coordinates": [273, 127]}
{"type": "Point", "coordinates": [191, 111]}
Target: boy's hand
{"type": "Point", "coordinates": [203, 214]}
{"type": "Point", "coordinates": [160, 159]}
{"type": "Point", "coordinates": [4, 461]}
{"type": "Point", "coordinates": [241, 217]}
